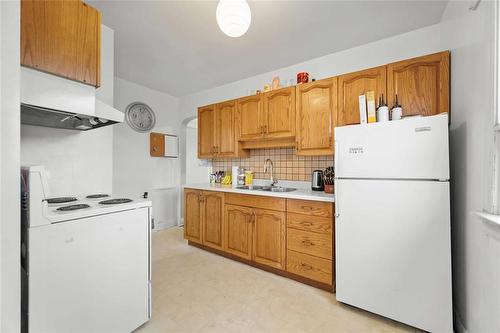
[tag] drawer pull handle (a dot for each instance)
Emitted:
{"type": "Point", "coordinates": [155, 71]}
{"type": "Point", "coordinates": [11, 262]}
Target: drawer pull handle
{"type": "Point", "coordinates": [307, 242]}
{"type": "Point", "coordinates": [307, 224]}
{"type": "Point", "coordinates": [306, 266]}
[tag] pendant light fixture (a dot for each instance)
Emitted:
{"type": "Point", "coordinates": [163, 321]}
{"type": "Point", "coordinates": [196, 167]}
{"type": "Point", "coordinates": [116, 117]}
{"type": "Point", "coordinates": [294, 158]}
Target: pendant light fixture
{"type": "Point", "coordinates": [233, 17]}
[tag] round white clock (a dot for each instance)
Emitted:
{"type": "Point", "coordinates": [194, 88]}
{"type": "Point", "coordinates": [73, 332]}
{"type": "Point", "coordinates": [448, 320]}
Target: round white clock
{"type": "Point", "coordinates": [140, 117]}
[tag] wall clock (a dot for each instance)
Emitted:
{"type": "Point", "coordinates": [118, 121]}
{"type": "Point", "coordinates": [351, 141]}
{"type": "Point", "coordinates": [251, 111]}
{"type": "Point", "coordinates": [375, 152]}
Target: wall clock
{"type": "Point", "coordinates": [140, 117]}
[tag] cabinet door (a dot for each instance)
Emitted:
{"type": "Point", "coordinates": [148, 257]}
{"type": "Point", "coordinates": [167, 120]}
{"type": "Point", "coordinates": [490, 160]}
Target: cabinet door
{"type": "Point", "coordinates": [238, 231]}
{"type": "Point", "coordinates": [225, 129]}
{"type": "Point", "coordinates": [250, 118]}
{"type": "Point", "coordinates": [206, 135]}
{"type": "Point", "coordinates": [213, 219]}
{"type": "Point", "coordinates": [192, 215]}
{"type": "Point", "coordinates": [156, 144]}
{"type": "Point", "coordinates": [279, 113]}
{"type": "Point", "coordinates": [422, 84]}
{"type": "Point", "coordinates": [316, 117]}
{"type": "Point", "coordinates": [269, 245]}
{"type": "Point", "coordinates": [351, 85]}
{"type": "Point", "coordinates": [62, 38]}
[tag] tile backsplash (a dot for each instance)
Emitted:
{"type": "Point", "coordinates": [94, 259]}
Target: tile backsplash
{"type": "Point", "coordinates": [287, 165]}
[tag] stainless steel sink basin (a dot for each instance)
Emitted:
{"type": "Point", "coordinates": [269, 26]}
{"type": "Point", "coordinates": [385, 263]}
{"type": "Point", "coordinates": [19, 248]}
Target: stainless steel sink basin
{"type": "Point", "coordinates": [277, 189]}
{"type": "Point", "coordinates": [247, 187]}
{"type": "Point", "coordinates": [266, 188]}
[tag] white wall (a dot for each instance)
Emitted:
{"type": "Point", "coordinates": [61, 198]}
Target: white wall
{"type": "Point", "coordinates": [77, 162]}
{"type": "Point", "coordinates": [411, 44]}
{"type": "Point", "coordinates": [134, 170]}
{"type": "Point", "coordinates": [9, 167]}
{"type": "Point", "coordinates": [476, 247]}
{"type": "Point", "coordinates": [197, 171]}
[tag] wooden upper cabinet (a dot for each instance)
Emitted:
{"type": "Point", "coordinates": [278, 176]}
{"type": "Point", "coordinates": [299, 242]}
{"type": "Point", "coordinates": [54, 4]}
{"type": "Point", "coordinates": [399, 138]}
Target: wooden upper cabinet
{"type": "Point", "coordinates": [422, 84]}
{"type": "Point", "coordinates": [156, 144]}
{"type": "Point", "coordinates": [279, 113]}
{"type": "Point", "coordinates": [206, 131]}
{"type": "Point", "coordinates": [62, 37]}
{"type": "Point", "coordinates": [238, 231]}
{"type": "Point", "coordinates": [351, 85]}
{"type": "Point", "coordinates": [316, 117]}
{"type": "Point", "coordinates": [225, 125]}
{"type": "Point", "coordinates": [250, 118]}
{"type": "Point", "coordinates": [213, 219]}
{"type": "Point", "coordinates": [269, 238]}
{"type": "Point", "coordinates": [192, 216]}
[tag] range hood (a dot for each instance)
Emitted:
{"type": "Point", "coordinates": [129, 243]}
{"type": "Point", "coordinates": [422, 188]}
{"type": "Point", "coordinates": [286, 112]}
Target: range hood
{"type": "Point", "coordinates": [51, 101]}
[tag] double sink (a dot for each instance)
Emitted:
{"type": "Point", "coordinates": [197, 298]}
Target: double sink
{"type": "Point", "coordinates": [266, 188]}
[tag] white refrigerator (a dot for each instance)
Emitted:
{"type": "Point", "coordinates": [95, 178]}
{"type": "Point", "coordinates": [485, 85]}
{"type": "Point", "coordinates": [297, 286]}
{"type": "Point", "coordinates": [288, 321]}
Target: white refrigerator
{"type": "Point", "coordinates": [392, 228]}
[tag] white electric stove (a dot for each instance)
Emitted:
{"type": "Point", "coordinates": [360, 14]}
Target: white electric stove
{"type": "Point", "coordinates": [86, 260]}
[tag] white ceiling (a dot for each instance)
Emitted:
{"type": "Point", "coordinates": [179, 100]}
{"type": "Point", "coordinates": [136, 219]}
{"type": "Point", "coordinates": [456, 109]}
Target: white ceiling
{"type": "Point", "coordinates": [176, 46]}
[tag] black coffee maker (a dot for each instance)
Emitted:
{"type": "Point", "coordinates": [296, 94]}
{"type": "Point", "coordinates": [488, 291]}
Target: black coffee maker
{"type": "Point", "coordinates": [317, 183]}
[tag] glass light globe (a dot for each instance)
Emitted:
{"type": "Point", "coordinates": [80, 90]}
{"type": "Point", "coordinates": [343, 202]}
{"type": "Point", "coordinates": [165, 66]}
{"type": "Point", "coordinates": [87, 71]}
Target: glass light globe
{"type": "Point", "coordinates": [233, 17]}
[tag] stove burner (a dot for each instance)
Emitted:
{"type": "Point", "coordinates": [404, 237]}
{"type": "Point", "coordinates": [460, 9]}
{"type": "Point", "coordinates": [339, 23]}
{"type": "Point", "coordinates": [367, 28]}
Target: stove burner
{"type": "Point", "coordinates": [115, 201]}
{"type": "Point", "coordinates": [72, 207]}
{"type": "Point", "coordinates": [60, 200]}
{"type": "Point", "coordinates": [97, 196]}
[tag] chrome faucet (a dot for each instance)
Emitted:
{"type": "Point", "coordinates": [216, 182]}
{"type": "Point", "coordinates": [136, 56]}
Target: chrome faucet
{"type": "Point", "coordinates": [269, 167]}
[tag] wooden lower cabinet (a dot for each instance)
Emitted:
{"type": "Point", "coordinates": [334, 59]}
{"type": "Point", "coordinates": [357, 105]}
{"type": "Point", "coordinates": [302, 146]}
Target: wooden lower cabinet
{"type": "Point", "coordinates": [204, 217]}
{"type": "Point", "coordinates": [192, 215]}
{"type": "Point", "coordinates": [269, 245]}
{"type": "Point", "coordinates": [238, 231]}
{"type": "Point", "coordinates": [213, 219]}
{"type": "Point", "coordinates": [310, 240]}
{"type": "Point", "coordinates": [289, 237]}
{"type": "Point", "coordinates": [310, 267]}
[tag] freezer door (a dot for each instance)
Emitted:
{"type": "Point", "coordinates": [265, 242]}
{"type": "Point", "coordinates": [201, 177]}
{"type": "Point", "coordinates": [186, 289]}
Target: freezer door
{"type": "Point", "coordinates": [393, 250]}
{"type": "Point", "coordinates": [91, 274]}
{"type": "Point", "coordinates": [414, 148]}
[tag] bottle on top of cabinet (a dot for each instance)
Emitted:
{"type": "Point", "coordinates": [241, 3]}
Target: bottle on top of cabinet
{"type": "Point", "coordinates": [382, 110]}
{"type": "Point", "coordinates": [397, 110]}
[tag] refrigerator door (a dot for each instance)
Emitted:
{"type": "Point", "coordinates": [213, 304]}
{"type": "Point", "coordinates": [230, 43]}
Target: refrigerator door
{"type": "Point", "coordinates": [414, 148]}
{"type": "Point", "coordinates": [393, 250]}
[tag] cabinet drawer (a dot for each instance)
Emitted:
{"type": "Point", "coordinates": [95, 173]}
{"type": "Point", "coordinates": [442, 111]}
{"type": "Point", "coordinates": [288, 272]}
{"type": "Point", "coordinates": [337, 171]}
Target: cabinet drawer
{"type": "Point", "coordinates": [316, 208]}
{"type": "Point", "coordinates": [322, 225]}
{"type": "Point", "coordinates": [313, 268]}
{"type": "Point", "coordinates": [256, 201]}
{"type": "Point", "coordinates": [319, 245]}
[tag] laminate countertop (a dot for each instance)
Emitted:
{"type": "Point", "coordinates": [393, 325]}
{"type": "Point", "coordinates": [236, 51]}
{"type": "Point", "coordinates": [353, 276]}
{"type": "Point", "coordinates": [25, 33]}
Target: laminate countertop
{"type": "Point", "coordinates": [301, 193]}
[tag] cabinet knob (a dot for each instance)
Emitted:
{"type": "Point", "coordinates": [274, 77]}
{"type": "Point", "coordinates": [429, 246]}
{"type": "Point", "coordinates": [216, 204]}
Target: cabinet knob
{"type": "Point", "coordinates": [307, 242]}
{"type": "Point", "coordinates": [306, 266]}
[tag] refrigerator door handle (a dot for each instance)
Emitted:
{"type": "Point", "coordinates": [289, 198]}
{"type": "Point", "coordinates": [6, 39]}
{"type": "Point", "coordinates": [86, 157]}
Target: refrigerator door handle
{"type": "Point", "coordinates": [335, 154]}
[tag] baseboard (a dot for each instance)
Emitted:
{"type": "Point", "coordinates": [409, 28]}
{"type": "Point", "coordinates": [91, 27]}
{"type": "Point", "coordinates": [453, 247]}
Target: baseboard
{"type": "Point", "coordinates": [165, 224]}
{"type": "Point", "coordinates": [458, 325]}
